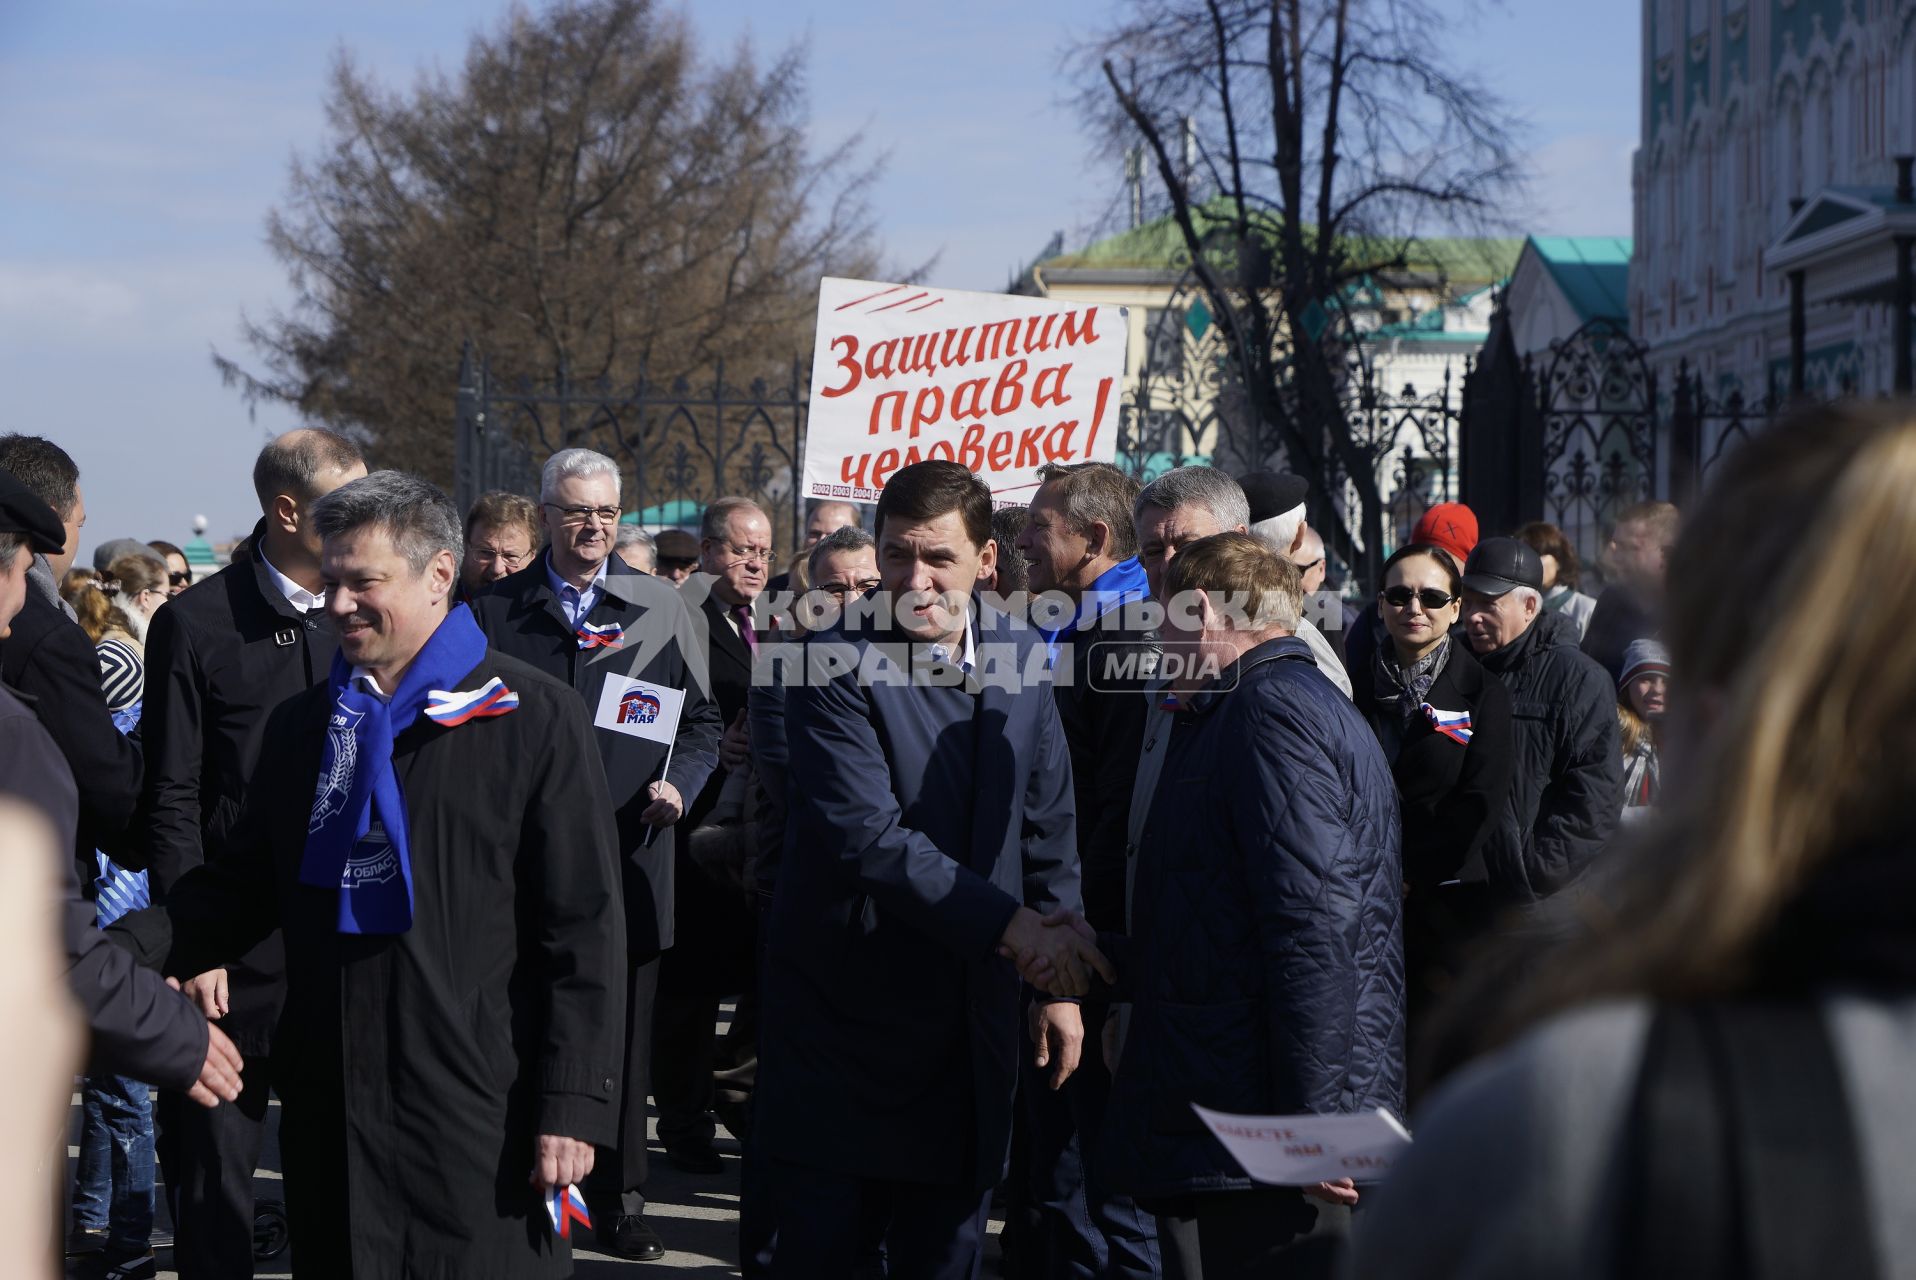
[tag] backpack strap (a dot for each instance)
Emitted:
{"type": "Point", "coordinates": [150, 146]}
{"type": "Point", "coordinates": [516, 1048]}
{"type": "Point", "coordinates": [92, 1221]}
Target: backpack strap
{"type": "Point", "coordinates": [1740, 1159]}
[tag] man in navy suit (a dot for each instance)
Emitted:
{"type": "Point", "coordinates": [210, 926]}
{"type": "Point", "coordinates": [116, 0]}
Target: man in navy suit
{"type": "Point", "coordinates": [930, 831]}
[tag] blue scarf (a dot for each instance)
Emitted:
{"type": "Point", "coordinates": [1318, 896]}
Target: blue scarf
{"type": "Point", "coordinates": [357, 839]}
{"type": "Point", "coordinates": [1122, 584]}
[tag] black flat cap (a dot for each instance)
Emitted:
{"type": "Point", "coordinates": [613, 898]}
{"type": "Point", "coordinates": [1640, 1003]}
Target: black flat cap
{"type": "Point", "coordinates": [1498, 565]}
{"type": "Point", "coordinates": [676, 544]}
{"type": "Point", "coordinates": [23, 513]}
{"type": "Point", "coordinates": [1272, 493]}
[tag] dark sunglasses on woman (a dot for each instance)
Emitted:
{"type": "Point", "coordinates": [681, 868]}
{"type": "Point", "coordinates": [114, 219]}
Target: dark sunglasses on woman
{"type": "Point", "coordinates": [1430, 597]}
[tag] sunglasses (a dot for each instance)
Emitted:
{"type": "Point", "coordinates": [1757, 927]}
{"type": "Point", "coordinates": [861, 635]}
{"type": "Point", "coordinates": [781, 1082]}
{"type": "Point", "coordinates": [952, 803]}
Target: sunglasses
{"type": "Point", "coordinates": [1430, 597]}
{"type": "Point", "coordinates": [179, 579]}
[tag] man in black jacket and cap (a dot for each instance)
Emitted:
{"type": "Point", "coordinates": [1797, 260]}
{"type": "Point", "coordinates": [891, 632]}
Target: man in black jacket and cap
{"type": "Point", "coordinates": [1566, 788]}
{"type": "Point", "coordinates": [1090, 608]}
{"type": "Point", "coordinates": [137, 1026]}
{"type": "Point", "coordinates": [218, 659]}
{"type": "Point", "coordinates": [49, 658]}
{"type": "Point", "coordinates": [586, 618]}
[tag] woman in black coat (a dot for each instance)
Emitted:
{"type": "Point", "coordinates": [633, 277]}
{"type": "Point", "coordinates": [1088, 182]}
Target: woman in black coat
{"type": "Point", "coordinates": [1445, 726]}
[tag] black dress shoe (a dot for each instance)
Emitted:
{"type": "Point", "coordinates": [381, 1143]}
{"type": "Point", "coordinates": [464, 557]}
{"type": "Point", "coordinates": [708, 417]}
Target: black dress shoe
{"type": "Point", "coordinates": [632, 1239]}
{"type": "Point", "coordinates": [698, 1159]}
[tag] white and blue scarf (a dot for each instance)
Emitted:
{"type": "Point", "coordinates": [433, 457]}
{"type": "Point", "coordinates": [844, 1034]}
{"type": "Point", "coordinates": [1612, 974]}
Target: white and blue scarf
{"type": "Point", "coordinates": [357, 839]}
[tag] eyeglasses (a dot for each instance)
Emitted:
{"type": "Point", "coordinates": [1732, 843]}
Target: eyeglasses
{"type": "Point", "coordinates": [576, 516]}
{"type": "Point", "coordinates": [760, 555]}
{"type": "Point", "coordinates": [1306, 568]}
{"type": "Point", "coordinates": [845, 590]}
{"type": "Point", "coordinates": [1430, 597]}
{"type": "Point", "coordinates": [179, 579]}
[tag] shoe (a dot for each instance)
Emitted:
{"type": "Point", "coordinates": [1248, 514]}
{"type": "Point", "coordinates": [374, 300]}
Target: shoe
{"type": "Point", "coordinates": [699, 1159]}
{"type": "Point", "coordinates": [143, 1266]}
{"type": "Point", "coordinates": [633, 1239]}
{"type": "Point", "coordinates": [86, 1240]}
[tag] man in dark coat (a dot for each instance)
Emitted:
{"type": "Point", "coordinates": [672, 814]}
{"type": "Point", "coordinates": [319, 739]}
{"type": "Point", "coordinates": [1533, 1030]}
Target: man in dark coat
{"type": "Point", "coordinates": [47, 657]}
{"type": "Point", "coordinates": [431, 830]}
{"type": "Point", "coordinates": [1631, 606]}
{"type": "Point", "coordinates": [1566, 786]}
{"type": "Point", "coordinates": [584, 617]}
{"type": "Point", "coordinates": [1263, 962]}
{"type": "Point", "coordinates": [136, 1025]}
{"type": "Point", "coordinates": [218, 659]}
{"type": "Point", "coordinates": [716, 931]}
{"type": "Point", "coordinates": [929, 826]}
{"type": "Point", "coordinates": [1082, 555]}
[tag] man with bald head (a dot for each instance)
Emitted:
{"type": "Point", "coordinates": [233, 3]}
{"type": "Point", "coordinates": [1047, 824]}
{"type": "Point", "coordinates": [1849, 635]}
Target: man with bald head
{"type": "Point", "coordinates": [218, 659]}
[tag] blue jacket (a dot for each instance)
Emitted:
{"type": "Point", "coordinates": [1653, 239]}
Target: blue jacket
{"type": "Point", "coordinates": [920, 819]}
{"type": "Point", "coordinates": [1265, 961]}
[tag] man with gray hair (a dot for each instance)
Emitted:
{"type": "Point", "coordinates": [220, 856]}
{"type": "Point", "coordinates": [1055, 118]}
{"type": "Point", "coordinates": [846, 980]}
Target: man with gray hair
{"type": "Point", "coordinates": [431, 829]}
{"type": "Point", "coordinates": [625, 643]}
{"type": "Point", "coordinates": [1566, 788]}
{"type": "Point", "coordinates": [1189, 503]}
{"type": "Point", "coordinates": [636, 547]}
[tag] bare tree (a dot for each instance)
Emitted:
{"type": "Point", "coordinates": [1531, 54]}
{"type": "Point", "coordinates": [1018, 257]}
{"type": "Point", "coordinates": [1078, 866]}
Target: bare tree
{"type": "Point", "coordinates": [1331, 133]}
{"type": "Point", "coordinates": [586, 199]}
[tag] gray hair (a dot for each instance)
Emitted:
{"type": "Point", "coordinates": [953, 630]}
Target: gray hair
{"type": "Point", "coordinates": [416, 514]}
{"type": "Point", "coordinates": [848, 538]}
{"type": "Point", "coordinates": [716, 520]}
{"type": "Point", "coordinates": [576, 464]}
{"type": "Point", "coordinates": [1205, 487]}
{"type": "Point", "coordinates": [1529, 593]}
{"type": "Point", "coordinates": [630, 535]}
{"type": "Point", "coordinates": [1278, 532]}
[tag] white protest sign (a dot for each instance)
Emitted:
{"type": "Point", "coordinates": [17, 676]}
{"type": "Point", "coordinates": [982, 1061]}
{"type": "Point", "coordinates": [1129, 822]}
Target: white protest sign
{"type": "Point", "coordinates": [640, 708]}
{"type": "Point", "coordinates": [1000, 383]}
{"type": "Point", "coordinates": [1295, 1151]}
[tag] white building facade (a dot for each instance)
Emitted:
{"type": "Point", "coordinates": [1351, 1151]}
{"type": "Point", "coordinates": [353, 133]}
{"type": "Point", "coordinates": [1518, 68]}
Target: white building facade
{"type": "Point", "coordinates": [1770, 132]}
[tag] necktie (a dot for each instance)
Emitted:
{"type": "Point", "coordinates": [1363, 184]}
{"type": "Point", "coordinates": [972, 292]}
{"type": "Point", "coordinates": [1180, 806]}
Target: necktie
{"type": "Point", "coordinates": [744, 615]}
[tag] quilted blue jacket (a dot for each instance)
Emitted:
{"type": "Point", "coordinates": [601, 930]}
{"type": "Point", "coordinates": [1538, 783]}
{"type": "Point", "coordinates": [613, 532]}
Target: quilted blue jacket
{"type": "Point", "coordinates": [1265, 963]}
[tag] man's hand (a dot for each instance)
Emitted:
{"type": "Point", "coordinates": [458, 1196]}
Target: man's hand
{"type": "Point", "coordinates": [1058, 954]}
{"type": "Point", "coordinates": [220, 1074]}
{"type": "Point", "coordinates": [667, 805]}
{"type": "Point", "coordinates": [1057, 1031]}
{"type": "Point", "coordinates": [1342, 1191]}
{"type": "Point", "coordinates": [560, 1162]}
{"type": "Point", "coordinates": [208, 991]}
{"type": "Point", "coordinates": [735, 748]}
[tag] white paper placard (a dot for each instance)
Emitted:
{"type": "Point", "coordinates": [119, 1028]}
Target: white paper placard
{"type": "Point", "coordinates": [1001, 383]}
{"type": "Point", "coordinates": [1295, 1151]}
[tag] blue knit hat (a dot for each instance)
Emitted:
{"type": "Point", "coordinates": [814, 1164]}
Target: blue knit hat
{"type": "Point", "coordinates": [1641, 658]}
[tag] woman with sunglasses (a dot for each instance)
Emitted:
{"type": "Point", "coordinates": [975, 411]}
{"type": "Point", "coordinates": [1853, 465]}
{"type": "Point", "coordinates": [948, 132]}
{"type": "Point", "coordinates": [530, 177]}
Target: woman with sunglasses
{"type": "Point", "coordinates": [1445, 726]}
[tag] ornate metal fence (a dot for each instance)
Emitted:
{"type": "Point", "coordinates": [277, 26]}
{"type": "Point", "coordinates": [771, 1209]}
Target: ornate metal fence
{"type": "Point", "coordinates": [1597, 407]}
{"type": "Point", "coordinates": [681, 444]}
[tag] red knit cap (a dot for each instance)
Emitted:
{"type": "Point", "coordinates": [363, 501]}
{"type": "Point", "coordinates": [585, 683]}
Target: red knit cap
{"type": "Point", "coordinates": [1450, 525]}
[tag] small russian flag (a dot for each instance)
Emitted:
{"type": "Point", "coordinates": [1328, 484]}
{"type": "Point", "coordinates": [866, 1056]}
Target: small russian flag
{"type": "Point", "coordinates": [565, 1206]}
{"type": "Point", "coordinates": [1454, 725]}
{"type": "Point", "coordinates": [608, 635]}
{"type": "Point", "coordinates": [1169, 702]}
{"type": "Point", "coordinates": [450, 710]}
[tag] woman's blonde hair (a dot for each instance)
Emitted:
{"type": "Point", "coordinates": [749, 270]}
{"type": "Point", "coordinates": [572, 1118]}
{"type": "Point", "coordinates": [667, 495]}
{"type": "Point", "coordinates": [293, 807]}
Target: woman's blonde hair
{"type": "Point", "coordinates": [1812, 747]}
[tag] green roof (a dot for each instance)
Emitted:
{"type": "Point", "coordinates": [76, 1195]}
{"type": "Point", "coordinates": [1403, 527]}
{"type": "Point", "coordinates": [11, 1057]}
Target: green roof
{"type": "Point", "coordinates": [1160, 244]}
{"type": "Point", "coordinates": [676, 514]}
{"type": "Point", "coordinates": [1592, 271]}
{"type": "Point", "coordinates": [199, 551]}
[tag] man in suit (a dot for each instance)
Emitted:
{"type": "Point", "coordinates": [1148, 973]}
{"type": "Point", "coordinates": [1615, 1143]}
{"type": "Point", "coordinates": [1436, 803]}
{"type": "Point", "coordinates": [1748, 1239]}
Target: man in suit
{"type": "Point", "coordinates": [929, 833]}
{"type": "Point", "coordinates": [1082, 553]}
{"type": "Point", "coordinates": [217, 661]}
{"type": "Point", "coordinates": [49, 659]}
{"type": "Point", "coordinates": [826, 517]}
{"type": "Point", "coordinates": [714, 956]}
{"type": "Point", "coordinates": [585, 617]}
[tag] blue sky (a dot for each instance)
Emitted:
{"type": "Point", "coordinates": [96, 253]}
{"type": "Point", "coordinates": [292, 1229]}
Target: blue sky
{"type": "Point", "coordinates": [142, 145]}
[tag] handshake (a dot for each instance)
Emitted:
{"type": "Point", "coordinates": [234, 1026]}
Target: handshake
{"type": "Point", "coordinates": [1057, 954]}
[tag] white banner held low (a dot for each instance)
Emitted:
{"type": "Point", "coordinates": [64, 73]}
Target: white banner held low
{"type": "Point", "coordinates": [1000, 383]}
{"type": "Point", "coordinates": [1296, 1151]}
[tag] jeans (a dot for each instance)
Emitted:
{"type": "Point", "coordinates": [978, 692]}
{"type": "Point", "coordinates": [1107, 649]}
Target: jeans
{"type": "Point", "coordinates": [114, 1189]}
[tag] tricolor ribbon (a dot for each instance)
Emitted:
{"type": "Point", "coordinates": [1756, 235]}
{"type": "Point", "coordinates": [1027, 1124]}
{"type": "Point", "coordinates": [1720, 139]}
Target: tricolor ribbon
{"type": "Point", "coordinates": [565, 1206]}
{"type": "Point", "coordinates": [1169, 702]}
{"type": "Point", "coordinates": [450, 710]}
{"type": "Point", "coordinates": [610, 635]}
{"type": "Point", "coordinates": [1454, 725]}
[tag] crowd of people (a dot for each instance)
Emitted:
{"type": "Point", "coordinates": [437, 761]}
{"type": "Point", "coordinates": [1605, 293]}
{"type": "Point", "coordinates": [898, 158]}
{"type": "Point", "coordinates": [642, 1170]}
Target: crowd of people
{"type": "Point", "coordinates": [1010, 834]}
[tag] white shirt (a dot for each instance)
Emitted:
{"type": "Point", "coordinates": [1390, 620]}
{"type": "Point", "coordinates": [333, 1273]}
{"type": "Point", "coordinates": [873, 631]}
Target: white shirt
{"type": "Point", "coordinates": [967, 647]}
{"type": "Point", "coordinates": [364, 679]}
{"type": "Point", "coordinates": [297, 596]}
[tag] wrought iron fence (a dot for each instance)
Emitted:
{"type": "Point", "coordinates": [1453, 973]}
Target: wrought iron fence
{"type": "Point", "coordinates": [1597, 409]}
{"type": "Point", "coordinates": [681, 443]}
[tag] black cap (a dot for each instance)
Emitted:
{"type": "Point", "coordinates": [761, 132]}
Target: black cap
{"type": "Point", "coordinates": [1498, 565]}
{"type": "Point", "coordinates": [1272, 493]}
{"type": "Point", "coordinates": [676, 544]}
{"type": "Point", "coordinates": [23, 513]}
